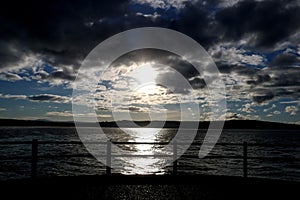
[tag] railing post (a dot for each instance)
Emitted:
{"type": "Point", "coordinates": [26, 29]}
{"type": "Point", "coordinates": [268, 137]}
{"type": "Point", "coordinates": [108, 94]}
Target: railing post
{"type": "Point", "coordinates": [34, 157]}
{"type": "Point", "coordinates": [245, 161]}
{"type": "Point", "coordinates": [108, 158]}
{"type": "Point", "coordinates": [175, 157]}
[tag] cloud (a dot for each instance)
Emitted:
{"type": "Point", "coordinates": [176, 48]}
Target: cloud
{"type": "Point", "coordinates": [243, 83]}
{"type": "Point", "coordinates": [262, 85]}
{"type": "Point", "coordinates": [247, 108]}
{"type": "Point", "coordinates": [63, 75]}
{"type": "Point", "coordinates": [152, 17]}
{"type": "Point", "coordinates": [291, 109]}
{"type": "Point", "coordinates": [53, 31]}
{"type": "Point", "coordinates": [234, 56]}
{"type": "Point", "coordinates": [276, 112]}
{"type": "Point", "coordinates": [164, 4]}
{"type": "Point", "coordinates": [46, 41]}
{"type": "Point", "coordinates": [63, 39]}
{"type": "Point", "coordinates": [10, 77]}
{"type": "Point", "coordinates": [49, 98]}
{"type": "Point", "coordinates": [39, 98]}
{"type": "Point", "coordinates": [290, 102]}
{"type": "Point", "coordinates": [231, 3]}
{"type": "Point", "coordinates": [286, 60]}
{"type": "Point", "coordinates": [265, 19]}
{"type": "Point", "coordinates": [60, 114]}
{"type": "Point", "coordinates": [69, 114]}
{"type": "Point", "coordinates": [169, 67]}
{"type": "Point", "coordinates": [9, 96]}
{"type": "Point", "coordinates": [238, 116]}
{"type": "Point", "coordinates": [284, 77]}
{"type": "Point", "coordinates": [228, 3]}
{"type": "Point", "coordinates": [262, 96]}
{"type": "Point", "coordinates": [68, 30]}
{"type": "Point", "coordinates": [13, 57]}
{"type": "Point", "coordinates": [270, 108]}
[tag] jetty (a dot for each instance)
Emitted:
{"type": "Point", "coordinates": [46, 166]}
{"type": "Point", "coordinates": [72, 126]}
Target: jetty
{"type": "Point", "coordinates": [169, 186]}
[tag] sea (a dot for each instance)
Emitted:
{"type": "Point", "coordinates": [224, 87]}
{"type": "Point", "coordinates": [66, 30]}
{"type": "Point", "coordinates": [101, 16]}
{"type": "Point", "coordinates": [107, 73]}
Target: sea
{"type": "Point", "coordinates": [276, 155]}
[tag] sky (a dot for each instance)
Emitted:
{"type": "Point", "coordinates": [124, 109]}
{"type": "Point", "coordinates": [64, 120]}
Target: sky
{"type": "Point", "coordinates": [254, 44]}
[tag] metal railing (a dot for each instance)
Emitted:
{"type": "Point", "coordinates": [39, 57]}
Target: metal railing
{"type": "Point", "coordinates": [35, 143]}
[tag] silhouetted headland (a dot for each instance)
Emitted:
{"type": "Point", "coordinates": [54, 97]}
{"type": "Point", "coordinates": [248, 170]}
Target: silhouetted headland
{"type": "Point", "coordinates": [232, 124]}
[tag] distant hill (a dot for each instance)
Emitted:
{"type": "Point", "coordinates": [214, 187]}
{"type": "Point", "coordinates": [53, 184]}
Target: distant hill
{"type": "Point", "coordinates": [233, 124]}
{"type": "Point", "coordinates": [15, 122]}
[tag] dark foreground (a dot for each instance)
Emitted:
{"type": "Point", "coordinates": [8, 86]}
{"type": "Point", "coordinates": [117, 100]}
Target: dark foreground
{"type": "Point", "coordinates": [149, 187]}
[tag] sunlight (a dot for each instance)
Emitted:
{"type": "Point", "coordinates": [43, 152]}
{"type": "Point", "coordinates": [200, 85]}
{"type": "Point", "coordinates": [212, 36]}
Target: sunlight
{"type": "Point", "coordinates": [145, 76]}
{"type": "Point", "coordinates": [145, 73]}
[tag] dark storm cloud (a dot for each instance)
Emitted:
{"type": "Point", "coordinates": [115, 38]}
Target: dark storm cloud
{"type": "Point", "coordinates": [198, 83]}
{"type": "Point", "coordinates": [47, 97]}
{"type": "Point", "coordinates": [270, 21]}
{"type": "Point", "coordinates": [267, 22]}
{"type": "Point", "coordinates": [239, 69]}
{"type": "Point", "coordinates": [264, 96]}
{"type": "Point", "coordinates": [259, 79]}
{"type": "Point", "coordinates": [56, 29]}
{"type": "Point", "coordinates": [62, 33]}
{"type": "Point", "coordinates": [195, 21]}
{"type": "Point", "coordinates": [273, 92]}
{"type": "Point", "coordinates": [285, 60]}
{"type": "Point", "coordinates": [7, 53]}
{"type": "Point", "coordinates": [265, 84]}
{"type": "Point", "coordinates": [65, 31]}
{"type": "Point", "coordinates": [285, 77]}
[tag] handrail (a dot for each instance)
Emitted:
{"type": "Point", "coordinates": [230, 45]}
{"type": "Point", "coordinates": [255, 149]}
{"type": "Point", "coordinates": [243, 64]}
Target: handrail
{"type": "Point", "coordinates": [34, 152]}
{"type": "Point", "coordinates": [150, 143]}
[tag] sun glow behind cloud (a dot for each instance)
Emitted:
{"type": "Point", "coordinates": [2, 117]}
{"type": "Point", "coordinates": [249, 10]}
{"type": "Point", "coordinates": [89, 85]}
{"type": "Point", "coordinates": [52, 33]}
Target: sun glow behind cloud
{"type": "Point", "coordinates": [145, 73]}
{"type": "Point", "coordinates": [135, 90]}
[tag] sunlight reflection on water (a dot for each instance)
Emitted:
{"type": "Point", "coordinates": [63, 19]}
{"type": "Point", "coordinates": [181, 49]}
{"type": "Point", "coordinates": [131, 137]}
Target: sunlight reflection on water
{"type": "Point", "coordinates": [146, 164]}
